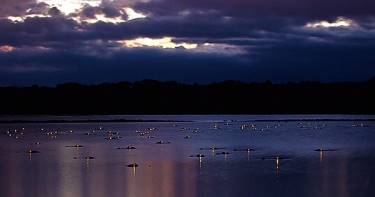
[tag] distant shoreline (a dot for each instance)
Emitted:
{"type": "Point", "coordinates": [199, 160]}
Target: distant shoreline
{"type": "Point", "coordinates": [154, 97]}
{"type": "Point", "coordinates": [183, 121]}
{"type": "Point", "coordinates": [85, 121]}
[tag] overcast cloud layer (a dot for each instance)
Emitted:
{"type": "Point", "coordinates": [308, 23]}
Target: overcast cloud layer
{"type": "Point", "coordinates": [53, 41]}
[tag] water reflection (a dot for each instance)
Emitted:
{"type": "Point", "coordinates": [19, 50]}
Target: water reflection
{"type": "Point", "coordinates": [62, 176]}
{"type": "Point", "coordinates": [69, 176]}
{"type": "Point", "coordinates": [164, 179]}
{"type": "Point", "coordinates": [333, 178]}
{"type": "Point", "coordinates": [75, 164]}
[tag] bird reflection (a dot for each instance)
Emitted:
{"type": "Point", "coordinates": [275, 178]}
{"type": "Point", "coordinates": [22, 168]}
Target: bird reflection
{"type": "Point", "coordinates": [30, 152]}
{"type": "Point", "coordinates": [321, 155]}
{"type": "Point", "coordinates": [200, 162]}
{"type": "Point", "coordinates": [134, 171]}
{"type": "Point", "coordinates": [277, 166]}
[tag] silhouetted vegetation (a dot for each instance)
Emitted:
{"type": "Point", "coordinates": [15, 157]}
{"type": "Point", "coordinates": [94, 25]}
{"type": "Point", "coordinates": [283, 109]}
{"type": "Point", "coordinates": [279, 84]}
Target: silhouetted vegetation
{"type": "Point", "coordinates": [153, 97]}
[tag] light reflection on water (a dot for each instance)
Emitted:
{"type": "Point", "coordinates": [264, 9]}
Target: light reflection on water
{"type": "Point", "coordinates": [284, 162]}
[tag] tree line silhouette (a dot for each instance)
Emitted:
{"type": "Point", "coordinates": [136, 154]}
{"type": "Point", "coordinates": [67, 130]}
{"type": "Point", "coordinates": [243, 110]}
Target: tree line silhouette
{"type": "Point", "coordinates": [228, 97]}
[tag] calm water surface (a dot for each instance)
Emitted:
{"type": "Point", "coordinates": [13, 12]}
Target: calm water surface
{"type": "Point", "coordinates": [283, 162]}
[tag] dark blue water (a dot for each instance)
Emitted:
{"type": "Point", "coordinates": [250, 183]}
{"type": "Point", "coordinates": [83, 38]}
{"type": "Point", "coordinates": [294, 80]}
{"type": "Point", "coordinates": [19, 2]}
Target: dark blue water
{"type": "Point", "coordinates": [283, 162]}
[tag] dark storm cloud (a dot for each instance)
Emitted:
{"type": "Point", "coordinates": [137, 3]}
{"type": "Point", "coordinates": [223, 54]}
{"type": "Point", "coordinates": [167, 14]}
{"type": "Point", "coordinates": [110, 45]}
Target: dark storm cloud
{"type": "Point", "coordinates": [108, 10]}
{"type": "Point", "coordinates": [54, 12]}
{"type": "Point", "coordinates": [111, 12]}
{"type": "Point", "coordinates": [43, 31]}
{"type": "Point", "coordinates": [119, 65]}
{"type": "Point", "coordinates": [38, 31]}
{"type": "Point", "coordinates": [23, 7]}
{"type": "Point", "coordinates": [196, 24]}
{"type": "Point", "coordinates": [15, 7]}
{"type": "Point", "coordinates": [288, 61]}
{"type": "Point", "coordinates": [292, 8]}
{"type": "Point", "coordinates": [297, 59]}
{"type": "Point", "coordinates": [272, 34]}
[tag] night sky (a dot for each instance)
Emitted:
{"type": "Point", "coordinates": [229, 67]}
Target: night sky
{"type": "Point", "coordinates": [48, 42]}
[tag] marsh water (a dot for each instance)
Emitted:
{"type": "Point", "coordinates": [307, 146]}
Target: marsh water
{"type": "Point", "coordinates": [188, 156]}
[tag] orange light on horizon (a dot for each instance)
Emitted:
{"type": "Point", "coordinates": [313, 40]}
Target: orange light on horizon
{"type": "Point", "coordinates": [6, 48]}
